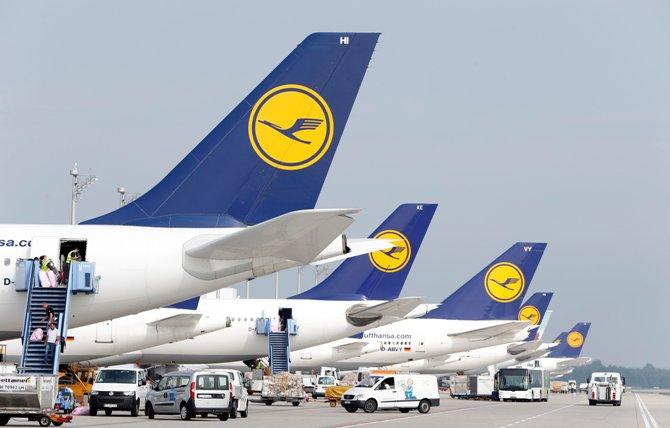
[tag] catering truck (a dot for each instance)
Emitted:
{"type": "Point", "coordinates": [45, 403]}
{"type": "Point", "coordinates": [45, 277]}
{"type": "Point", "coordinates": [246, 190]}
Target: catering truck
{"type": "Point", "coordinates": [605, 388]}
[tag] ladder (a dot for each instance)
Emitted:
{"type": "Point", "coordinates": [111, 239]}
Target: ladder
{"type": "Point", "coordinates": [279, 351]}
{"type": "Point", "coordinates": [33, 353]}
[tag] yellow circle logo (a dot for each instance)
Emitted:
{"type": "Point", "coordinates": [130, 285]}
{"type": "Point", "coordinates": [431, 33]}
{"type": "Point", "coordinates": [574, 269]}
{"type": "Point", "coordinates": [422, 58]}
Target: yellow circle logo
{"type": "Point", "coordinates": [395, 258]}
{"type": "Point", "coordinates": [291, 127]}
{"type": "Point", "coordinates": [575, 339]}
{"type": "Point", "coordinates": [504, 282]}
{"type": "Point", "coordinates": [529, 313]}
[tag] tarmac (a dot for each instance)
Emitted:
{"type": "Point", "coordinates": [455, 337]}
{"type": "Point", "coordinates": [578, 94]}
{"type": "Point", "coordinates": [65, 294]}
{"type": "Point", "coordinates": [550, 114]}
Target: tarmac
{"type": "Point", "coordinates": [649, 410]}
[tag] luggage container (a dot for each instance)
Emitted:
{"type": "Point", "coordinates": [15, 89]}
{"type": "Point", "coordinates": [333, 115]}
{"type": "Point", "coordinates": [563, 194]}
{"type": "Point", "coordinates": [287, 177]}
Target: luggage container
{"type": "Point", "coordinates": [29, 396]}
{"type": "Point", "coordinates": [282, 387]}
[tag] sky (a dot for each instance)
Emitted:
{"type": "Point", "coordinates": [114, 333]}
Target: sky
{"type": "Point", "coordinates": [524, 120]}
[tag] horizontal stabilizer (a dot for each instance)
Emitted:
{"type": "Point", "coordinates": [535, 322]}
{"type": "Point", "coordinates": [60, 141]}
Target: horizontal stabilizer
{"type": "Point", "coordinates": [516, 349]}
{"type": "Point", "coordinates": [498, 331]}
{"type": "Point", "coordinates": [298, 236]}
{"type": "Point", "coordinates": [573, 362]}
{"type": "Point", "coordinates": [360, 315]}
{"type": "Point", "coordinates": [358, 247]}
{"type": "Point", "coordinates": [180, 320]}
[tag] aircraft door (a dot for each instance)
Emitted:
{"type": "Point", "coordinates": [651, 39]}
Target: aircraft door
{"type": "Point", "coordinates": [103, 332]}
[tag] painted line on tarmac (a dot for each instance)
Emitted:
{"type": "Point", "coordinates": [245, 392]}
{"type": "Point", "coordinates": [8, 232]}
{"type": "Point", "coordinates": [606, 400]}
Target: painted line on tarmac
{"type": "Point", "coordinates": [520, 421]}
{"type": "Point", "coordinates": [423, 415]}
{"type": "Point", "coordinates": [649, 421]}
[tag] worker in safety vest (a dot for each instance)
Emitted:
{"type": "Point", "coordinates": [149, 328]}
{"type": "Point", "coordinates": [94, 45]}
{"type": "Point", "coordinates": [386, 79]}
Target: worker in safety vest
{"type": "Point", "coordinates": [48, 272]}
{"type": "Point", "coordinates": [72, 256]}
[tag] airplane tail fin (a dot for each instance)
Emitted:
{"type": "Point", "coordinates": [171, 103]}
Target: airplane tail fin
{"type": "Point", "coordinates": [271, 154]}
{"type": "Point", "coordinates": [379, 275]}
{"type": "Point", "coordinates": [571, 343]}
{"type": "Point", "coordinates": [497, 291]}
{"type": "Point", "coordinates": [533, 310]}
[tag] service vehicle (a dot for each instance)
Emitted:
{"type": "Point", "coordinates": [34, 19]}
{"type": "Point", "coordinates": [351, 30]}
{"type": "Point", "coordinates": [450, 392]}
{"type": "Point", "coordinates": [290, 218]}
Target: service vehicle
{"type": "Point", "coordinates": [605, 388]}
{"type": "Point", "coordinates": [189, 393]}
{"type": "Point", "coordinates": [400, 391]}
{"type": "Point", "coordinates": [240, 395]}
{"type": "Point", "coordinates": [30, 396]}
{"type": "Point", "coordinates": [522, 384]}
{"type": "Point", "coordinates": [322, 383]}
{"type": "Point", "coordinates": [572, 386]}
{"type": "Point", "coordinates": [584, 387]}
{"type": "Point", "coordinates": [118, 389]}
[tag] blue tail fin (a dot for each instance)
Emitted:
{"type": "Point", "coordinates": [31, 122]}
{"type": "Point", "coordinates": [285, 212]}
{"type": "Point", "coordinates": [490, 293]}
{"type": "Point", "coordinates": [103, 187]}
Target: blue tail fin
{"type": "Point", "coordinates": [533, 311]}
{"type": "Point", "coordinates": [380, 275]}
{"type": "Point", "coordinates": [271, 154]}
{"type": "Point", "coordinates": [497, 291]}
{"type": "Point", "coordinates": [570, 343]}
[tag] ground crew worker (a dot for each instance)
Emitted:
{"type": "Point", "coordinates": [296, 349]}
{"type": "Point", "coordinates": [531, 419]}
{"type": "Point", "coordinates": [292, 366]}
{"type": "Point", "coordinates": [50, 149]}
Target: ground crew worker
{"type": "Point", "coordinates": [48, 272]}
{"type": "Point", "coordinates": [72, 256]}
{"type": "Point", "coordinates": [53, 337]}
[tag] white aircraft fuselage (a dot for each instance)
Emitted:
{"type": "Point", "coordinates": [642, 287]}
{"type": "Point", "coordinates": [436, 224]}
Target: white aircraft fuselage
{"type": "Point", "coordinates": [140, 268]}
{"type": "Point", "coordinates": [407, 340]}
{"type": "Point", "coordinates": [318, 321]}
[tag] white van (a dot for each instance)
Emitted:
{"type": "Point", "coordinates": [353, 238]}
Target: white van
{"type": "Point", "coordinates": [190, 393]}
{"type": "Point", "coordinates": [400, 391]}
{"type": "Point", "coordinates": [606, 388]}
{"type": "Point", "coordinates": [240, 394]}
{"type": "Point", "coordinates": [119, 389]}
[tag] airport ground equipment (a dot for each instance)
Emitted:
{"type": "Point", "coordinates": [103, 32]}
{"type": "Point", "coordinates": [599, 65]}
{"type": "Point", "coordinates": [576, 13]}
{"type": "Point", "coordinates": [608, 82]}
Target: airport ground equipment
{"type": "Point", "coordinates": [605, 388]}
{"type": "Point", "coordinates": [334, 394]}
{"type": "Point", "coordinates": [29, 396]}
{"type": "Point", "coordinates": [279, 339]}
{"type": "Point", "coordinates": [522, 384]}
{"type": "Point", "coordinates": [282, 387]}
{"type": "Point", "coordinates": [477, 387]}
{"type": "Point", "coordinates": [81, 279]}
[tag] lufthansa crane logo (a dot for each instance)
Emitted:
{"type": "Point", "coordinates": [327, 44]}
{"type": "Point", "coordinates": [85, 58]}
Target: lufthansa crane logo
{"type": "Point", "coordinates": [395, 258]}
{"type": "Point", "coordinates": [575, 339]}
{"type": "Point", "coordinates": [291, 127]}
{"type": "Point", "coordinates": [504, 282]}
{"type": "Point", "coordinates": [529, 313]}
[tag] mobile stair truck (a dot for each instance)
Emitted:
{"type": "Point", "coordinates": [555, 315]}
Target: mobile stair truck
{"type": "Point", "coordinates": [606, 388]}
{"type": "Point", "coordinates": [31, 393]}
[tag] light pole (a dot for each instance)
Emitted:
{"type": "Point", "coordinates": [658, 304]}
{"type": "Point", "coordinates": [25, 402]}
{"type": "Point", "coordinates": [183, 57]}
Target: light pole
{"type": "Point", "coordinates": [78, 188]}
{"type": "Point", "coordinates": [122, 192]}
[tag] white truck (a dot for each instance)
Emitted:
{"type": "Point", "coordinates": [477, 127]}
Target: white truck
{"type": "Point", "coordinates": [240, 402]}
{"type": "Point", "coordinates": [606, 388]}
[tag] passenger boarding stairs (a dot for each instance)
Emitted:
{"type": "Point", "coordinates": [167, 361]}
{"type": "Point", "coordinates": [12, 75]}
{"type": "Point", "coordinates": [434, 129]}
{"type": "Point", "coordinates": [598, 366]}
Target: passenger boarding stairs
{"type": "Point", "coordinates": [279, 344]}
{"type": "Point", "coordinates": [27, 279]}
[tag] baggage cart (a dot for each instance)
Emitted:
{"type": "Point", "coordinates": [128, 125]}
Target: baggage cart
{"type": "Point", "coordinates": [30, 396]}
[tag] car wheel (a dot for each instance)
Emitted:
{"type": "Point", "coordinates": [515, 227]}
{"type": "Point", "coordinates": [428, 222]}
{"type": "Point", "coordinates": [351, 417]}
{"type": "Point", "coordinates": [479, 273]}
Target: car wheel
{"type": "Point", "coordinates": [314, 397]}
{"type": "Point", "coordinates": [4, 420]}
{"type": "Point", "coordinates": [404, 410]}
{"type": "Point", "coordinates": [57, 424]}
{"type": "Point", "coordinates": [108, 412]}
{"type": "Point", "coordinates": [184, 414]}
{"type": "Point", "coordinates": [44, 421]}
{"type": "Point", "coordinates": [370, 406]}
{"type": "Point", "coordinates": [617, 403]}
{"type": "Point", "coordinates": [268, 402]}
{"type": "Point", "coordinates": [149, 411]}
{"type": "Point", "coordinates": [592, 402]}
{"type": "Point", "coordinates": [296, 403]}
{"type": "Point", "coordinates": [244, 413]}
{"type": "Point", "coordinates": [203, 415]}
{"type": "Point", "coordinates": [223, 416]}
{"type": "Point", "coordinates": [351, 409]}
{"type": "Point", "coordinates": [136, 409]}
{"type": "Point", "coordinates": [233, 410]}
{"type": "Point", "coordinates": [424, 406]}
{"type": "Point", "coordinates": [92, 411]}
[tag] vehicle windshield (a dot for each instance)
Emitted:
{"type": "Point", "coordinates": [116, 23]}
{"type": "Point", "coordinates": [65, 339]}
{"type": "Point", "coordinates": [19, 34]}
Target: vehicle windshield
{"type": "Point", "coordinates": [326, 380]}
{"type": "Point", "coordinates": [599, 379]}
{"type": "Point", "coordinates": [514, 380]}
{"type": "Point", "coordinates": [369, 381]}
{"type": "Point", "coordinates": [116, 376]}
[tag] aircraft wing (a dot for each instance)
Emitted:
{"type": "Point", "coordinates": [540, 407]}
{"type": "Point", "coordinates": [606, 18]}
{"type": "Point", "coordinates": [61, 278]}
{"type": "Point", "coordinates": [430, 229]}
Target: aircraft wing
{"type": "Point", "coordinates": [509, 329]}
{"type": "Point", "coordinates": [518, 348]}
{"type": "Point", "coordinates": [361, 315]}
{"type": "Point", "coordinates": [532, 355]}
{"type": "Point", "coordinates": [573, 362]}
{"type": "Point", "coordinates": [179, 320]}
{"type": "Point", "coordinates": [298, 236]}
